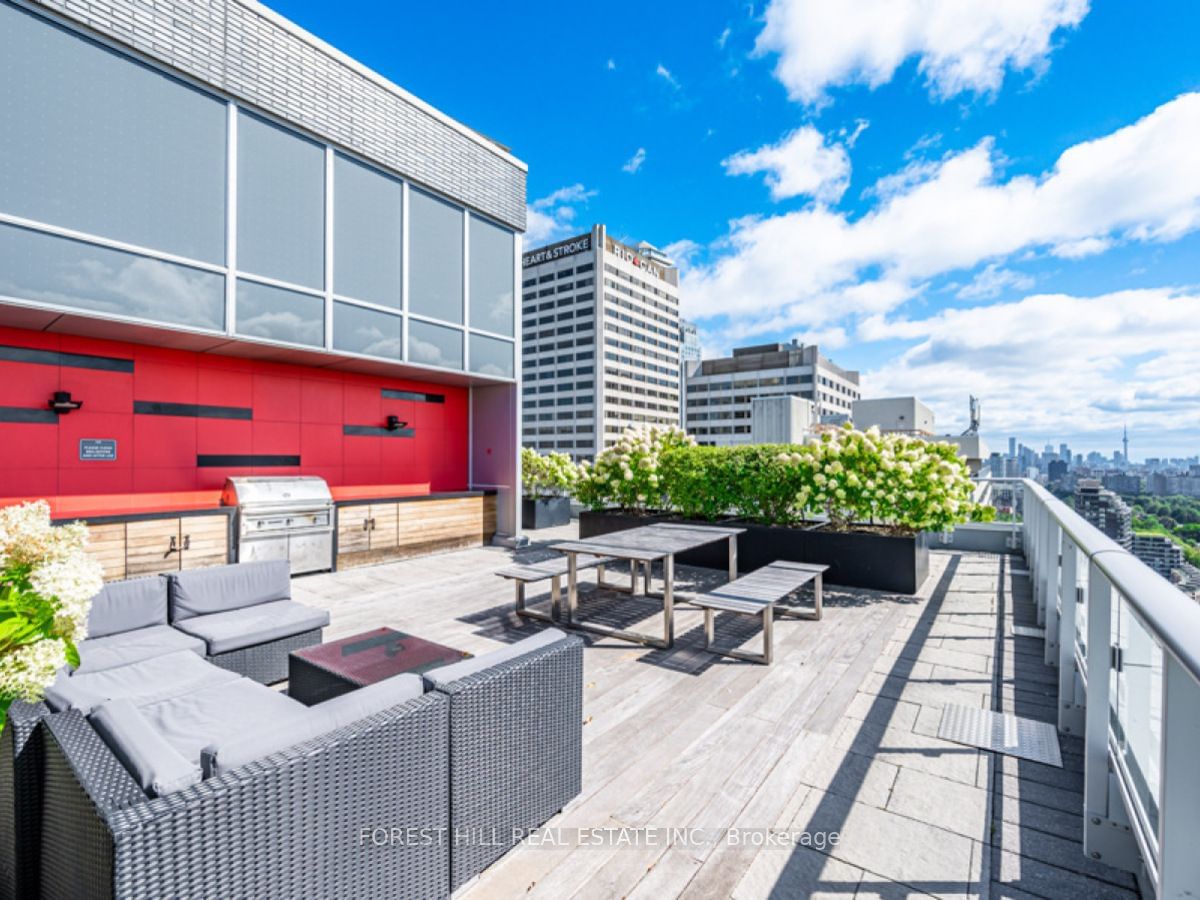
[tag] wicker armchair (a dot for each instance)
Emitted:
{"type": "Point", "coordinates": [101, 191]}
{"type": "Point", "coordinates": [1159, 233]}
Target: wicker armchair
{"type": "Point", "coordinates": [21, 752]}
{"type": "Point", "coordinates": [330, 817]}
{"type": "Point", "coordinates": [516, 750]}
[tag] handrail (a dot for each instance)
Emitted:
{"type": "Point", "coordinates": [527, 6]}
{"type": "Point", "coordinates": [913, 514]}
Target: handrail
{"type": "Point", "coordinates": [1083, 585]}
{"type": "Point", "coordinates": [1169, 613]}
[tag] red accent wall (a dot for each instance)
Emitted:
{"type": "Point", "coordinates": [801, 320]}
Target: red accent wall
{"type": "Point", "coordinates": [296, 411]}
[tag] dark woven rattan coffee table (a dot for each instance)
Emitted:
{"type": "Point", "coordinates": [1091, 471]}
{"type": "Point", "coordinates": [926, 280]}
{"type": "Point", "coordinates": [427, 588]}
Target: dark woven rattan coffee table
{"type": "Point", "coordinates": [329, 670]}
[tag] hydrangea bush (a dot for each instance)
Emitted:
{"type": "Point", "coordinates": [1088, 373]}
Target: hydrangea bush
{"type": "Point", "coordinates": [47, 582]}
{"type": "Point", "coordinates": [851, 478]}
{"type": "Point", "coordinates": [904, 483]}
{"type": "Point", "coordinates": [552, 475]}
{"type": "Point", "coordinates": [626, 475]}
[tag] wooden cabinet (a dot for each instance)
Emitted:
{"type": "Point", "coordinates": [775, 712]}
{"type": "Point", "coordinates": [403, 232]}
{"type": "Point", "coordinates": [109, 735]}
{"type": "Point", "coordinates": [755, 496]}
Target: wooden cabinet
{"type": "Point", "coordinates": [353, 531]}
{"type": "Point", "coordinates": [384, 526]}
{"type": "Point", "coordinates": [203, 541]}
{"type": "Point", "coordinates": [151, 547]}
{"type": "Point", "coordinates": [384, 531]}
{"type": "Point", "coordinates": [159, 545]}
{"type": "Point", "coordinates": [107, 544]}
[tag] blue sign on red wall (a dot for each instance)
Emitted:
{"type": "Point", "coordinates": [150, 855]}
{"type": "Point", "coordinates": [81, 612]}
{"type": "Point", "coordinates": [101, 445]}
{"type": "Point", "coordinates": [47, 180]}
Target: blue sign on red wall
{"type": "Point", "coordinates": [97, 449]}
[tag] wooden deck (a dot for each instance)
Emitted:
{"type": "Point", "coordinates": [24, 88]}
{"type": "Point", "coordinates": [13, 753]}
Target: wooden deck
{"type": "Point", "coordinates": [706, 777]}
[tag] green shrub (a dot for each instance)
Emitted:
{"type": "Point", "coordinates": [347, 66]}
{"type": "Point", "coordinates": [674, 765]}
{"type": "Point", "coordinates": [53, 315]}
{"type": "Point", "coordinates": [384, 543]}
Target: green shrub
{"type": "Point", "coordinates": [552, 475]}
{"type": "Point", "coordinates": [900, 483]}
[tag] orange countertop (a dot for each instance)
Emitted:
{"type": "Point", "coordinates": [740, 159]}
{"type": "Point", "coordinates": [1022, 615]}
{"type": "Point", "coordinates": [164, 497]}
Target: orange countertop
{"type": "Point", "coordinates": [83, 506]}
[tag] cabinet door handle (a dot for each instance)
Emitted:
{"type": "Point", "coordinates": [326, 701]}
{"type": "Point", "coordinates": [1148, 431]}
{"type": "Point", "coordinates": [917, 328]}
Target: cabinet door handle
{"type": "Point", "coordinates": [187, 542]}
{"type": "Point", "coordinates": [173, 546]}
{"type": "Point", "coordinates": [366, 524]}
{"type": "Point", "coordinates": [372, 523]}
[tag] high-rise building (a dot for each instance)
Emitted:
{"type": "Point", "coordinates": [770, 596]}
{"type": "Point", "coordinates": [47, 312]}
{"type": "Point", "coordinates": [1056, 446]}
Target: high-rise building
{"type": "Point", "coordinates": [1012, 448]}
{"type": "Point", "coordinates": [896, 415]}
{"type": "Point", "coordinates": [720, 392]}
{"type": "Point", "coordinates": [689, 351]}
{"type": "Point", "coordinates": [1159, 552]}
{"type": "Point", "coordinates": [689, 341]}
{"type": "Point", "coordinates": [601, 342]}
{"type": "Point", "coordinates": [1105, 510]}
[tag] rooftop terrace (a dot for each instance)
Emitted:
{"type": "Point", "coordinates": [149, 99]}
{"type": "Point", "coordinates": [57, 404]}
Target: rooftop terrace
{"type": "Point", "coordinates": [839, 735]}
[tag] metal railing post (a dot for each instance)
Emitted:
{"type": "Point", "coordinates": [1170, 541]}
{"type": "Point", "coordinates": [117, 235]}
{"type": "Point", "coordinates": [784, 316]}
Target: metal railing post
{"type": "Point", "coordinates": [1106, 832]}
{"type": "Point", "coordinates": [1179, 809]}
{"type": "Point", "coordinates": [1053, 582]}
{"type": "Point", "coordinates": [1070, 714]}
{"type": "Point", "coordinates": [1048, 578]}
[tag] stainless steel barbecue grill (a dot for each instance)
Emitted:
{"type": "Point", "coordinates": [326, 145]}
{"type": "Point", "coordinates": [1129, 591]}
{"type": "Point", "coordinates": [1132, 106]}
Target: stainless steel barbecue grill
{"type": "Point", "coordinates": [285, 517]}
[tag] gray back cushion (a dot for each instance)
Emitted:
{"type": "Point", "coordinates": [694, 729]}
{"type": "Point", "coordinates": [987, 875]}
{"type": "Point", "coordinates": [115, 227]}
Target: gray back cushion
{"type": "Point", "coordinates": [323, 718]}
{"type": "Point", "coordinates": [157, 766]}
{"type": "Point", "coordinates": [221, 588]}
{"type": "Point", "coordinates": [128, 605]}
{"type": "Point", "coordinates": [453, 672]}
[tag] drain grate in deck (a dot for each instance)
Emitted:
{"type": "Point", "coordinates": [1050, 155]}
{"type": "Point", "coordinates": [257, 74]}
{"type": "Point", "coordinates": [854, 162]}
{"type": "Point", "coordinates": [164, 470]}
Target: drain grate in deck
{"type": "Point", "coordinates": [1001, 732]}
{"type": "Point", "coordinates": [1028, 631]}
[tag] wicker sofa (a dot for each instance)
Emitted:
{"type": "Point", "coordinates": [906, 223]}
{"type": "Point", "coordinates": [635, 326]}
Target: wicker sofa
{"type": "Point", "coordinates": [172, 776]}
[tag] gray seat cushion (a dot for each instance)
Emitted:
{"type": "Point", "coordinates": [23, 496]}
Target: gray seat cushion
{"type": "Point", "coordinates": [239, 749]}
{"type": "Point", "coordinates": [214, 714]}
{"type": "Point", "coordinates": [220, 588]}
{"type": "Point", "coordinates": [148, 681]}
{"type": "Point", "coordinates": [446, 674]}
{"type": "Point", "coordinates": [97, 654]}
{"type": "Point", "coordinates": [157, 766]}
{"type": "Point", "coordinates": [128, 606]}
{"type": "Point", "coordinates": [238, 628]}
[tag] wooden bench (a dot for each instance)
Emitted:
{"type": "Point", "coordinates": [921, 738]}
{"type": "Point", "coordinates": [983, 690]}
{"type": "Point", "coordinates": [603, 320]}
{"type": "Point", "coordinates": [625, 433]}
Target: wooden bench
{"type": "Point", "coordinates": [554, 568]}
{"type": "Point", "coordinates": [758, 594]}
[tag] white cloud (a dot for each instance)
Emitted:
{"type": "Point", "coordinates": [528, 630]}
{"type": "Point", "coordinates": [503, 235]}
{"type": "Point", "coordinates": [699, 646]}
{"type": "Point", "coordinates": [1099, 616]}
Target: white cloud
{"type": "Point", "coordinates": [612, 64]}
{"type": "Point", "coordinates": [992, 281]}
{"type": "Point", "coordinates": [723, 37]}
{"type": "Point", "coordinates": [1053, 364]}
{"type": "Point", "coordinates": [553, 216]}
{"type": "Point", "coordinates": [851, 136]}
{"type": "Point", "coordinates": [665, 74]}
{"type": "Point", "coordinates": [814, 266]}
{"type": "Point", "coordinates": [960, 46]}
{"type": "Point", "coordinates": [635, 161]}
{"type": "Point", "coordinates": [681, 252]}
{"type": "Point", "coordinates": [803, 163]}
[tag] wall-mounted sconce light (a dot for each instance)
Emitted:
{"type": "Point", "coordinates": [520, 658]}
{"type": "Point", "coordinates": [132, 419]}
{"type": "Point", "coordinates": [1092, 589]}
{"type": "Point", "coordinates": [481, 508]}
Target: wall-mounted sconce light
{"type": "Point", "coordinates": [394, 423]}
{"type": "Point", "coordinates": [61, 402]}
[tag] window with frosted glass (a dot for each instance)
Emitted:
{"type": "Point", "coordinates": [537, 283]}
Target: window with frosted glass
{"type": "Point", "coordinates": [435, 258]}
{"type": "Point", "coordinates": [270, 312]}
{"type": "Point", "coordinates": [92, 141]}
{"type": "Point", "coordinates": [49, 269]}
{"type": "Point", "coordinates": [490, 356]}
{"type": "Point", "coordinates": [281, 204]}
{"type": "Point", "coordinates": [492, 277]}
{"type": "Point", "coordinates": [366, 331]}
{"type": "Point", "coordinates": [366, 233]}
{"type": "Point", "coordinates": [434, 345]}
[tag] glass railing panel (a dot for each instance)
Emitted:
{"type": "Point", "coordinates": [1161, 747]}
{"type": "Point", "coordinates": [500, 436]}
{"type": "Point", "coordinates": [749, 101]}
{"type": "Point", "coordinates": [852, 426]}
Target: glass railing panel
{"type": "Point", "coordinates": [1136, 701]}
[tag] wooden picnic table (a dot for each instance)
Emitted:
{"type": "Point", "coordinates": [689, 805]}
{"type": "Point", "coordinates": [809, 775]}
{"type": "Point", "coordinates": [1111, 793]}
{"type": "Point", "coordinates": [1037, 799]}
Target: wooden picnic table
{"type": "Point", "coordinates": [644, 546]}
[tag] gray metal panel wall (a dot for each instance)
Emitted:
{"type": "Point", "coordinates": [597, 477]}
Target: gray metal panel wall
{"type": "Point", "coordinates": [240, 49]}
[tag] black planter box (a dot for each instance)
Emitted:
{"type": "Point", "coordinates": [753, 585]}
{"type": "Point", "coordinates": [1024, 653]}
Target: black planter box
{"type": "Point", "coordinates": [545, 512]}
{"type": "Point", "coordinates": [898, 564]}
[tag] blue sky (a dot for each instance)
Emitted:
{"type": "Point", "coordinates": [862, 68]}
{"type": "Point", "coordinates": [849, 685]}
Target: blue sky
{"type": "Point", "coordinates": [954, 198]}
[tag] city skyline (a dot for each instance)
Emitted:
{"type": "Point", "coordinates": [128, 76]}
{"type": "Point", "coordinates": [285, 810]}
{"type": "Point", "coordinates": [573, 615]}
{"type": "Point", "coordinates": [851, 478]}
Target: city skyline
{"type": "Point", "coordinates": [1019, 223]}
